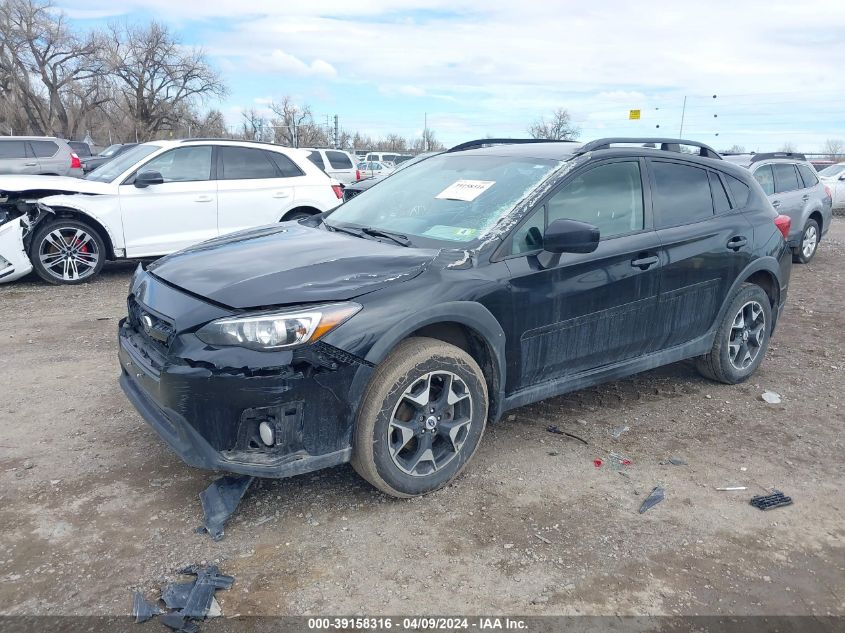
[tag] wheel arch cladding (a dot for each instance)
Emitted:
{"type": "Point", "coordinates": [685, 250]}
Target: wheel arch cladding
{"type": "Point", "coordinates": [762, 272]}
{"type": "Point", "coordinates": [300, 209]}
{"type": "Point", "coordinates": [69, 213]}
{"type": "Point", "coordinates": [465, 324]}
{"type": "Point", "coordinates": [817, 216]}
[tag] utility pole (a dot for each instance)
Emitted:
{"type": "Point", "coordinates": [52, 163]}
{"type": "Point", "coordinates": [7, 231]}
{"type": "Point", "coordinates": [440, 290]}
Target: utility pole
{"type": "Point", "coordinates": [336, 137]}
{"type": "Point", "coordinates": [683, 112]}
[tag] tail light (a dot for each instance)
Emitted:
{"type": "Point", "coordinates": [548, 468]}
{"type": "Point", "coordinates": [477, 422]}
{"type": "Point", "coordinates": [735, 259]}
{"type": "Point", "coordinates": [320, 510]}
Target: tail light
{"type": "Point", "coordinates": [358, 175]}
{"type": "Point", "coordinates": [828, 192]}
{"type": "Point", "coordinates": [338, 191]}
{"type": "Point", "coordinates": [75, 163]}
{"type": "Point", "coordinates": [783, 222]}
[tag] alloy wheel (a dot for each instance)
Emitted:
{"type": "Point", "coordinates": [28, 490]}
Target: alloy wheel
{"type": "Point", "coordinates": [430, 423]}
{"type": "Point", "coordinates": [69, 253]}
{"type": "Point", "coordinates": [748, 333]}
{"type": "Point", "coordinates": [809, 242]}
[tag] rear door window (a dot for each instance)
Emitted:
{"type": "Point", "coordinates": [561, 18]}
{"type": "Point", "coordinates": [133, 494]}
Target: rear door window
{"type": "Point", "coordinates": [786, 177]}
{"type": "Point", "coordinates": [807, 176]}
{"type": "Point", "coordinates": [44, 149]}
{"type": "Point", "coordinates": [288, 168]}
{"type": "Point", "coordinates": [766, 178]}
{"type": "Point", "coordinates": [739, 190]}
{"type": "Point", "coordinates": [12, 149]}
{"type": "Point", "coordinates": [682, 194]}
{"type": "Point", "coordinates": [339, 160]}
{"type": "Point", "coordinates": [244, 163]}
{"type": "Point", "coordinates": [720, 198]}
{"type": "Point", "coordinates": [317, 159]}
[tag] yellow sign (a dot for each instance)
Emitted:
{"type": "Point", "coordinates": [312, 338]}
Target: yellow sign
{"type": "Point", "coordinates": [634, 115]}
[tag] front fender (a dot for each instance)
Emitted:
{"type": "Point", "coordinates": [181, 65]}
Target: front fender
{"type": "Point", "coordinates": [105, 210]}
{"type": "Point", "coordinates": [12, 250]}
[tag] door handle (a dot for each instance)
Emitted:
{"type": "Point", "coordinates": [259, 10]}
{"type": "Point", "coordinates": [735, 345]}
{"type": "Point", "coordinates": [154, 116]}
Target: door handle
{"type": "Point", "coordinates": [736, 243]}
{"type": "Point", "coordinates": [805, 197]}
{"type": "Point", "coordinates": [203, 198]}
{"type": "Point", "coordinates": [775, 203]}
{"type": "Point", "coordinates": [645, 262]}
{"type": "Point", "coordinates": [281, 194]}
{"type": "Point", "coordinates": [30, 164]}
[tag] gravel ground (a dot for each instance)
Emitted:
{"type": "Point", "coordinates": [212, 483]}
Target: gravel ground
{"type": "Point", "coordinates": [93, 505]}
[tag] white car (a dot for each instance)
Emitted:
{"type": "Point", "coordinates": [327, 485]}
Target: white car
{"type": "Point", "coordinates": [152, 200]}
{"type": "Point", "coordinates": [834, 178]}
{"type": "Point", "coordinates": [375, 169]}
{"type": "Point", "coordinates": [335, 163]}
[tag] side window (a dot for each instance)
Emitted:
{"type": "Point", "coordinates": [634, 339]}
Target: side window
{"type": "Point", "coordinates": [44, 149]}
{"type": "Point", "coordinates": [739, 190]}
{"type": "Point", "coordinates": [339, 160]}
{"type": "Point", "coordinates": [766, 178]}
{"type": "Point", "coordinates": [720, 198]}
{"type": "Point", "coordinates": [317, 159]}
{"type": "Point", "coordinates": [786, 178]}
{"type": "Point", "coordinates": [529, 236]}
{"type": "Point", "coordinates": [244, 163]}
{"type": "Point", "coordinates": [286, 166]}
{"type": "Point", "coordinates": [12, 149]}
{"type": "Point", "coordinates": [184, 164]}
{"type": "Point", "coordinates": [372, 157]}
{"type": "Point", "coordinates": [609, 196]}
{"type": "Point", "coordinates": [681, 194]}
{"type": "Point", "coordinates": [807, 175]}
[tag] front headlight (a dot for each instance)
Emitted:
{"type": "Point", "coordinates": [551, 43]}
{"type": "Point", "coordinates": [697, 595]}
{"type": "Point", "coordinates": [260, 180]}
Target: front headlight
{"type": "Point", "coordinates": [277, 330]}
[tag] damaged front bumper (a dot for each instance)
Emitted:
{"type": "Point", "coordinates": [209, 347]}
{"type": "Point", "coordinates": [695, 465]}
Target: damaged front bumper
{"type": "Point", "coordinates": [14, 262]}
{"type": "Point", "coordinates": [208, 404]}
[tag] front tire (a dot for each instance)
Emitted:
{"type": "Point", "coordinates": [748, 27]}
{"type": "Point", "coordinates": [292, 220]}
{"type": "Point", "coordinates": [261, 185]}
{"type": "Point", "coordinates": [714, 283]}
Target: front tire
{"type": "Point", "coordinates": [67, 252]}
{"type": "Point", "coordinates": [809, 244]}
{"type": "Point", "coordinates": [742, 338]}
{"type": "Point", "coordinates": [421, 419]}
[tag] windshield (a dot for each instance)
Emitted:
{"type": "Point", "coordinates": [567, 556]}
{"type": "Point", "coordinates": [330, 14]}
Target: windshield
{"type": "Point", "coordinates": [111, 149]}
{"type": "Point", "coordinates": [451, 197]}
{"type": "Point", "coordinates": [833, 170]}
{"type": "Point", "coordinates": [107, 172]}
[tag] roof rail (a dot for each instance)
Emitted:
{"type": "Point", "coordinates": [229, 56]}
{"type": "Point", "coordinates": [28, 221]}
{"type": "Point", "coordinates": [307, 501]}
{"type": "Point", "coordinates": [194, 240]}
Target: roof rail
{"type": "Point", "coordinates": [766, 156]}
{"type": "Point", "coordinates": [666, 144]}
{"type": "Point", "coordinates": [231, 140]}
{"type": "Point", "coordinates": [482, 142]}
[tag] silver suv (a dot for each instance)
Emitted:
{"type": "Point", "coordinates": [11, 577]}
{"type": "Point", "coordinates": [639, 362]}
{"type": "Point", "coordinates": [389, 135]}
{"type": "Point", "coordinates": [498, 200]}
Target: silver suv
{"type": "Point", "coordinates": [39, 155]}
{"type": "Point", "coordinates": [794, 189]}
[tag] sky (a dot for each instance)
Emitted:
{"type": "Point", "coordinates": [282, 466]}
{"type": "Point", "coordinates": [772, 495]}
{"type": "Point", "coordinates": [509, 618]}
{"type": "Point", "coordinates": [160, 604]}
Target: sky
{"type": "Point", "coordinates": [755, 74]}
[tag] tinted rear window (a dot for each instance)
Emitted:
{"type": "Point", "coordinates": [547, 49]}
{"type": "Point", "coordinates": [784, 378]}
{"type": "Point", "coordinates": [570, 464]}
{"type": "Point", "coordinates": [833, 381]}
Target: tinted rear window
{"type": "Point", "coordinates": [286, 166]}
{"type": "Point", "coordinates": [12, 149]}
{"type": "Point", "coordinates": [807, 176]}
{"type": "Point", "coordinates": [720, 198]}
{"type": "Point", "coordinates": [739, 190]}
{"type": "Point", "coordinates": [339, 160]}
{"type": "Point", "coordinates": [682, 194]}
{"type": "Point", "coordinates": [786, 178]}
{"type": "Point", "coordinates": [81, 149]}
{"type": "Point", "coordinates": [764, 176]}
{"type": "Point", "coordinates": [317, 159]}
{"type": "Point", "coordinates": [44, 149]}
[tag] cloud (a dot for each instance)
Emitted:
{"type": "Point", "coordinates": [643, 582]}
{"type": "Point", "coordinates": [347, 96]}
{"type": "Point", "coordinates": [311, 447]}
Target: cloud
{"type": "Point", "coordinates": [286, 64]}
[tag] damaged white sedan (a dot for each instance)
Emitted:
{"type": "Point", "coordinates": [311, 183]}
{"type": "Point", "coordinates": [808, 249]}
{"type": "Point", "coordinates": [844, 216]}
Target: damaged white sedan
{"type": "Point", "coordinates": [152, 200]}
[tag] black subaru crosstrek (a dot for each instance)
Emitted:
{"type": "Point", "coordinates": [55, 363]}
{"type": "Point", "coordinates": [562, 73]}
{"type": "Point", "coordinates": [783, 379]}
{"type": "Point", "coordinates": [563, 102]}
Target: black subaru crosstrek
{"type": "Point", "coordinates": [391, 330]}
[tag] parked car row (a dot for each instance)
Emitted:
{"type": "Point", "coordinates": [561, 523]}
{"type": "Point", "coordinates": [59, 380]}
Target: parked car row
{"type": "Point", "coordinates": [37, 155]}
{"type": "Point", "coordinates": [153, 199]}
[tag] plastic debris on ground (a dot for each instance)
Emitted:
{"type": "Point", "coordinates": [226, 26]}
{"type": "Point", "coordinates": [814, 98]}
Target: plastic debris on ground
{"type": "Point", "coordinates": [219, 502]}
{"type": "Point", "coordinates": [618, 461]}
{"type": "Point", "coordinates": [189, 602]}
{"type": "Point", "coordinates": [731, 488]}
{"type": "Point", "coordinates": [657, 495]}
{"type": "Point", "coordinates": [617, 433]}
{"type": "Point", "coordinates": [775, 500]}
{"type": "Point", "coordinates": [674, 461]}
{"type": "Point", "coordinates": [597, 462]}
{"type": "Point", "coordinates": [557, 431]}
{"type": "Point", "coordinates": [771, 397]}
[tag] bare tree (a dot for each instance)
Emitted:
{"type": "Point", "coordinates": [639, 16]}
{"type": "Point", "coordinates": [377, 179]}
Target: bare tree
{"type": "Point", "coordinates": [788, 146]}
{"type": "Point", "coordinates": [735, 149]}
{"type": "Point", "coordinates": [294, 125]}
{"type": "Point", "coordinates": [833, 148]}
{"type": "Point", "coordinates": [52, 75]}
{"type": "Point", "coordinates": [252, 125]}
{"type": "Point", "coordinates": [155, 75]}
{"type": "Point", "coordinates": [558, 128]}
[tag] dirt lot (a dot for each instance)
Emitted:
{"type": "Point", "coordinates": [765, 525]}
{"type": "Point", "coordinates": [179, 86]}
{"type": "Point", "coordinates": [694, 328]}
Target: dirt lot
{"type": "Point", "coordinates": [93, 505]}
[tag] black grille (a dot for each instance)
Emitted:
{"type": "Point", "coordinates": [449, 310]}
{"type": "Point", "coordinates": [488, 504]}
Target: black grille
{"type": "Point", "coordinates": [155, 330]}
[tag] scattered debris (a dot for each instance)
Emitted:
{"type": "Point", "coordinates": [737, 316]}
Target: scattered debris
{"type": "Point", "coordinates": [104, 318]}
{"type": "Point", "coordinates": [742, 468]}
{"type": "Point", "coordinates": [656, 496]}
{"type": "Point", "coordinates": [597, 462]}
{"type": "Point", "coordinates": [554, 429]}
{"type": "Point", "coordinates": [28, 465]}
{"type": "Point", "coordinates": [674, 461]}
{"type": "Point", "coordinates": [729, 488]}
{"type": "Point", "coordinates": [543, 538]}
{"type": "Point", "coordinates": [143, 610]}
{"type": "Point", "coordinates": [774, 500]}
{"type": "Point", "coordinates": [617, 433]}
{"type": "Point", "coordinates": [771, 397]}
{"type": "Point", "coordinates": [554, 453]}
{"type": "Point", "coordinates": [617, 461]}
{"type": "Point", "coordinates": [219, 502]}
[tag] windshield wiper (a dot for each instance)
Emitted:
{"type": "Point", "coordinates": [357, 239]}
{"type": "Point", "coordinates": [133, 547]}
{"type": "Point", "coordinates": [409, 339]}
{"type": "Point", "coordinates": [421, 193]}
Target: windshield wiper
{"type": "Point", "coordinates": [342, 229]}
{"type": "Point", "coordinates": [398, 238]}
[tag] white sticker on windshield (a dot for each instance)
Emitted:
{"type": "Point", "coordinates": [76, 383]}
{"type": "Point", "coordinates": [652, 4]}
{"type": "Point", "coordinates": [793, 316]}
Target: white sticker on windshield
{"type": "Point", "coordinates": [465, 190]}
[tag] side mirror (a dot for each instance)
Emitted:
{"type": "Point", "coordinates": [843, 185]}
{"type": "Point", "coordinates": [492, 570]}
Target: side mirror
{"type": "Point", "coordinates": [147, 178]}
{"type": "Point", "coordinates": [570, 236]}
{"type": "Point", "coordinates": [842, 176]}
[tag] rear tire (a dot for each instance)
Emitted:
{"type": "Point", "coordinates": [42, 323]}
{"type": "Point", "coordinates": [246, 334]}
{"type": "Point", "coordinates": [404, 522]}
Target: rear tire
{"type": "Point", "coordinates": [809, 243]}
{"type": "Point", "coordinates": [421, 419]}
{"type": "Point", "coordinates": [67, 252]}
{"type": "Point", "coordinates": [742, 338]}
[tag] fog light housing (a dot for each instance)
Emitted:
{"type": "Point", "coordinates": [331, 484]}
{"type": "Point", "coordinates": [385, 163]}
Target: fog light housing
{"type": "Point", "coordinates": [268, 435]}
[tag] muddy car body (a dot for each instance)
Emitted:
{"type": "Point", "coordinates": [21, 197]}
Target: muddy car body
{"type": "Point", "coordinates": [304, 345]}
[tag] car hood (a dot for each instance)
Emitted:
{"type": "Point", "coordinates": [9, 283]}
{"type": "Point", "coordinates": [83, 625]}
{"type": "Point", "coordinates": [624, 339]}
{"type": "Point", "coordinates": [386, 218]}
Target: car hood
{"type": "Point", "coordinates": [52, 185]}
{"type": "Point", "coordinates": [288, 264]}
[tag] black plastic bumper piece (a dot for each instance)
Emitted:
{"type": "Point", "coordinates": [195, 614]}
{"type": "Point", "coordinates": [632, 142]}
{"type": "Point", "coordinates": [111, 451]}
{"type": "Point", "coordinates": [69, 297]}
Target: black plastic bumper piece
{"type": "Point", "coordinates": [195, 451]}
